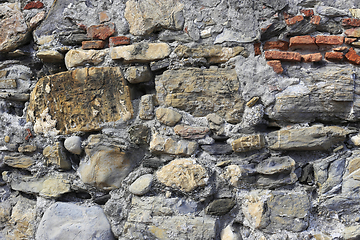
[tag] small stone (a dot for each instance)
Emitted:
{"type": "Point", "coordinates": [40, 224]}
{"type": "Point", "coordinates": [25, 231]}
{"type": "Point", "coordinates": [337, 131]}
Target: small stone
{"type": "Point", "coordinates": [102, 31]}
{"type": "Point", "coordinates": [139, 134]}
{"type": "Point", "coordinates": [329, 40]}
{"type": "Point", "coordinates": [350, 40]}
{"type": "Point", "coordinates": [34, 21]}
{"type": "Point", "coordinates": [119, 40]}
{"type": "Point", "coordinates": [228, 234]}
{"type": "Point", "coordinates": [50, 56]}
{"type": "Point", "coordinates": [281, 45]}
{"type": "Point", "coordinates": [159, 65]}
{"type": "Point", "coordinates": [353, 22]}
{"type": "Point", "coordinates": [183, 174]}
{"type": "Point", "coordinates": [252, 102]}
{"type": "Point", "coordinates": [27, 148]}
{"type": "Point", "coordinates": [356, 140]}
{"type": "Point", "coordinates": [276, 65]}
{"type": "Point", "coordinates": [293, 20]}
{"type": "Point", "coordinates": [352, 57]}
{"type": "Point", "coordinates": [141, 185]}
{"type": "Point", "coordinates": [95, 44]}
{"type": "Point", "coordinates": [56, 156]}
{"type": "Point", "coordinates": [352, 232]}
{"type": "Point", "coordinates": [74, 39]}
{"type": "Point", "coordinates": [21, 161]}
{"type": "Point", "coordinates": [205, 33]}
{"type": "Point", "coordinates": [257, 49]}
{"type": "Point", "coordinates": [190, 132]}
{"type": "Point", "coordinates": [220, 207]}
{"type": "Point", "coordinates": [138, 74]}
{"type": "Point", "coordinates": [217, 148]}
{"type": "Point", "coordinates": [331, 11]}
{"type": "Point", "coordinates": [163, 144]}
{"type": "Point", "coordinates": [215, 119]}
{"type": "Point", "coordinates": [283, 56]}
{"type": "Point", "coordinates": [103, 17]}
{"type": "Point", "coordinates": [275, 165]}
{"type": "Point", "coordinates": [248, 143]}
{"type": "Point", "coordinates": [73, 145]}
{"type": "Point", "coordinates": [355, 12]}
{"type": "Point", "coordinates": [334, 56]}
{"type": "Point", "coordinates": [307, 12]}
{"type": "Point", "coordinates": [315, 20]}
{"type": "Point", "coordinates": [78, 57]}
{"type": "Point", "coordinates": [313, 57]}
{"type": "Point", "coordinates": [141, 52]}
{"type": "Point", "coordinates": [168, 116]}
{"type": "Point", "coordinates": [7, 139]}
{"type": "Point", "coordinates": [34, 4]}
{"type": "Point", "coordinates": [146, 109]}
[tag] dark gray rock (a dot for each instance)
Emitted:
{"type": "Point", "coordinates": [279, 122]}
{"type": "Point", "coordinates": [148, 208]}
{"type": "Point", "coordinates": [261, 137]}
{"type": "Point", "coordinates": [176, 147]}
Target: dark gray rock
{"type": "Point", "coordinates": [303, 27]}
{"type": "Point", "coordinates": [329, 26]}
{"type": "Point", "coordinates": [220, 207]}
{"type": "Point", "coordinates": [217, 148]}
{"type": "Point", "coordinates": [74, 39]}
{"type": "Point", "coordinates": [274, 30]}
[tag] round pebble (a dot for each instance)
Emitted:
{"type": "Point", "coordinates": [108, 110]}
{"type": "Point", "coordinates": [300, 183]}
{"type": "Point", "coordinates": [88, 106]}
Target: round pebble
{"type": "Point", "coordinates": [142, 185]}
{"type": "Point", "coordinates": [7, 139]}
{"type": "Point", "coordinates": [73, 145]}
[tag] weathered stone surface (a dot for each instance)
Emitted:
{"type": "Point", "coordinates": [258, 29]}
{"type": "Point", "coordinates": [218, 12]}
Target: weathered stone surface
{"type": "Point", "coordinates": [138, 74]}
{"type": "Point", "coordinates": [353, 22]}
{"type": "Point", "coordinates": [200, 92]}
{"type": "Point", "coordinates": [331, 11]}
{"type": "Point", "coordinates": [146, 109]}
{"type": "Point", "coordinates": [78, 57]}
{"type": "Point", "coordinates": [139, 134]}
{"type": "Point", "coordinates": [229, 234]}
{"type": "Point", "coordinates": [50, 56]}
{"type": "Point", "coordinates": [146, 16]}
{"type": "Point", "coordinates": [281, 45]}
{"type": "Point", "coordinates": [168, 116]}
{"type": "Point", "coordinates": [191, 132]}
{"type": "Point", "coordinates": [102, 31]}
{"type": "Point", "coordinates": [334, 56]}
{"type": "Point", "coordinates": [8, 83]}
{"type": "Point", "coordinates": [164, 144]}
{"type": "Point", "coordinates": [220, 207]}
{"type": "Point", "coordinates": [303, 42]}
{"type": "Point", "coordinates": [273, 30]}
{"type": "Point", "coordinates": [73, 145]}
{"type": "Point", "coordinates": [248, 143]}
{"type": "Point", "coordinates": [76, 221]}
{"type": "Point", "coordinates": [183, 174]}
{"type": "Point", "coordinates": [329, 40]}
{"type": "Point", "coordinates": [217, 148]}
{"type": "Point", "coordinates": [141, 52]}
{"type": "Point", "coordinates": [27, 148]}
{"type": "Point", "coordinates": [275, 165]}
{"type": "Point", "coordinates": [75, 108]}
{"type": "Point", "coordinates": [353, 32]}
{"type": "Point", "coordinates": [352, 57]}
{"type": "Point", "coordinates": [19, 161]}
{"type": "Point", "coordinates": [308, 138]}
{"type": "Point", "coordinates": [13, 29]}
{"type": "Point", "coordinates": [141, 185]}
{"type": "Point", "coordinates": [56, 156]}
{"type": "Point", "coordinates": [34, 4]}
{"type": "Point", "coordinates": [74, 39]}
{"type": "Point", "coordinates": [293, 20]}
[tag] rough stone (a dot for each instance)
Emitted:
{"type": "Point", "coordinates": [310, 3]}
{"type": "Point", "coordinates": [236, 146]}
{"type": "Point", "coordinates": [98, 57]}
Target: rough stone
{"type": "Point", "coordinates": [103, 17]}
{"type": "Point", "coordinates": [78, 57]}
{"type": "Point", "coordinates": [352, 232]}
{"type": "Point", "coordinates": [138, 74]}
{"type": "Point", "coordinates": [329, 40]}
{"type": "Point", "coordinates": [139, 134]}
{"type": "Point", "coordinates": [141, 185]}
{"type": "Point", "coordinates": [8, 84]}
{"type": "Point", "coordinates": [34, 4]}
{"type": "Point", "coordinates": [248, 143]}
{"type": "Point", "coordinates": [257, 49]}
{"type": "Point", "coordinates": [80, 111]}
{"type": "Point", "coordinates": [229, 234]}
{"type": "Point", "coordinates": [146, 109]}
{"type": "Point", "coordinates": [191, 132]}
{"type": "Point", "coordinates": [168, 116]}
{"type": "Point", "coordinates": [275, 165]}
{"type": "Point", "coordinates": [307, 12]}
{"type": "Point", "coordinates": [308, 138]}
{"type": "Point", "coordinates": [73, 144]}
{"type": "Point", "coordinates": [141, 52]}
{"type": "Point", "coordinates": [352, 22]}
{"type": "Point", "coordinates": [220, 207]}
{"type": "Point", "coordinates": [183, 174]}
{"type": "Point", "coordinates": [76, 221]}
{"type": "Point", "coordinates": [102, 31]}
{"type": "Point", "coordinates": [353, 32]}
{"type": "Point", "coordinates": [273, 30]}
{"type": "Point", "coordinates": [50, 56]}
{"type": "Point", "coordinates": [303, 42]}
{"type": "Point", "coordinates": [181, 89]}
{"type": "Point", "coordinates": [352, 57]}
{"type": "Point", "coordinates": [163, 144]}
{"type": "Point", "coordinates": [19, 161]}
{"type": "Point", "coordinates": [293, 20]}
{"type": "Point", "coordinates": [74, 39]}
{"type": "Point", "coordinates": [217, 148]}
{"type": "Point", "coordinates": [315, 20]}
{"type": "Point", "coordinates": [34, 21]}
{"type": "Point", "coordinates": [331, 11]}
{"type": "Point", "coordinates": [146, 16]}
{"type": "Point", "coordinates": [56, 156]}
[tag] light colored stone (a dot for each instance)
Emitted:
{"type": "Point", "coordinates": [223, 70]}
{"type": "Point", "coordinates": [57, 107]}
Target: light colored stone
{"type": "Point", "coordinates": [7, 139]}
{"type": "Point", "coordinates": [356, 139]}
{"type": "Point", "coordinates": [8, 83]}
{"type": "Point", "coordinates": [56, 156]}
{"type": "Point", "coordinates": [73, 145]}
{"type": "Point", "coordinates": [183, 174]}
{"type": "Point", "coordinates": [50, 56]}
{"type": "Point", "coordinates": [146, 16]}
{"type": "Point", "coordinates": [27, 148]}
{"type": "Point", "coordinates": [248, 143]}
{"type": "Point", "coordinates": [254, 209]}
{"type": "Point", "coordinates": [21, 161]}
{"type": "Point", "coordinates": [228, 234]}
{"type": "Point", "coordinates": [78, 222]}
{"type": "Point", "coordinates": [79, 57]}
{"type": "Point", "coordinates": [168, 116]}
{"type": "Point", "coordinates": [138, 74]}
{"type": "Point", "coordinates": [141, 52]}
{"type": "Point", "coordinates": [79, 100]}
{"type": "Point", "coordinates": [191, 132]}
{"type": "Point", "coordinates": [355, 12]}
{"type": "Point", "coordinates": [146, 109]}
{"type": "Point", "coordinates": [34, 21]}
{"type": "Point", "coordinates": [276, 165]}
{"type": "Point", "coordinates": [168, 145]}
{"type": "Point", "coordinates": [234, 174]}
{"type": "Point", "coordinates": [141, 185]}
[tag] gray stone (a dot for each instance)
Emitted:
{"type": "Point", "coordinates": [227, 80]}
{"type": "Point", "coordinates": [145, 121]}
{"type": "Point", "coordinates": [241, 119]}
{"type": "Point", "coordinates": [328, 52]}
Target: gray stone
{"type": "Point", "coordinates": [159, 65]}
{"type": "Point", "coordinates": [73, 145]}
{"type": "Point", "coordinates": [74, 39]}
{"type": "Point", "coordinates": [168, 116]}
{"type": "Point", "coordinates": [275, 165]}
{"type": "Point", "coordinates": [76, 221]}
{"type": "Point", "coordinates": [277, 4]}
{"type": "Point", "coordinates": [19, 161]}
{"type": "Point", "coordinates": [274, 181]}
{"type": "Point", "coordinates": [352, 232]}
{"type": "Point", "coordinates": [273, 30]}
{"type": "Point", "coordinates": [331, 11]}
{"type": "Point", "coordinates": [141, 185]}
{"type": "Point", "coordinates": [146, 108]}
{"type": "Point", "coordinates": [300, 28]}
{"type": "Point", "coordinates": [138, 74]}
{"type": "Point", "coordinates": [329, 26]}
{"type": "Point", "coordinates": [56, 156]}
{"type": "Point", "coordinates": [217, 148]}
{"type": "Point", "coordinates": [220, 207]}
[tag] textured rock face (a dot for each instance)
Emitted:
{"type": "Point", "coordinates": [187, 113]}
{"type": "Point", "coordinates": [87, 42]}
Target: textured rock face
{"type": "Point", "coordinates": [163, 144]}
{"type": "Point", "coordinates": [142, 52]}
{"type": "Point", "coordinates": [75, 108]}
{"type": "Point", "coordinates": [76, 58]}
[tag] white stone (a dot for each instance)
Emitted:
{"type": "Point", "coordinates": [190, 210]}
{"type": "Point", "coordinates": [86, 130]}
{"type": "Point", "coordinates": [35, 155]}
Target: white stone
{"type": "Point", "coordinates": [141, 185]}
{"type": "Point", "coordinates": [228, 234]}
{"type": "Point", "coordinates": [356, 140]}
{"type": "Point", "coordinates": [73, 145]}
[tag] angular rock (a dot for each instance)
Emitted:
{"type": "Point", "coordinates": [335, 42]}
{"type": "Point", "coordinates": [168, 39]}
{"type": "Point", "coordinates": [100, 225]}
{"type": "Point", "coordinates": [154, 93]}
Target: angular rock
{"type": "Point", "coordinates": [248, 143]}
{"type": "Point", "coordinates": [199, 92]}
{"type": "Point", "coordinates": [34, 21]}
{"type": "Point", "coordinates": [141, 52]}
{"type": "Point", "coordinates": [307, 12]}
{"type": "Point", "coordinates": [139, 134]}
{"type": "Point", "coordinates": [283, 56]}
{"type": "Point", "coordinates": [293, 20]}
{"type": "Point", "coordinates": [220, 207]}
{"type": "Point", "coordinates": [146, 16]}
{"type": "Point", "coordinates": [159, 65]}
{"type": "Point", "coordinates": [229, 234]}
{"type": "Point", "coordinates": [275, 165]}
{"type": "Point", "coordinates": [141, 185]}
{"type": "Point", "coordinates": [56, 156]}
{"type": "Point", "coordinates": [74, 39]}
{"type": "Point", "coordinates": [352, 232]}
{"type": "Point", "coordinates": [76, 108]}
{"type": "Point", "coordinates": [78, 57]}
{"type": "Point", "coordinates": [190, 132]}
{"type": "Point", "coordinates": [330, 26]}
{"type": "Point", "coordinates": [19, 161]}
{"type": "Point", "coordinates": [146, 109]}
{"type": "Point", "coordinates": [276, 65]}
{"type": "Point", "coordinates": [353, 22]}
{"type": "Point", "coordinates": [77, 221]}
{"type": "Point", "coordinates": [102, 31]}
{"type": "Point", "coordinates": [352, 57]}
{"type": "Point", "coordinates": [138, 74]}
{"type": "Point", "coordinates": [303, 42]}
{"type": "Point", "coordinates": [257, 49]}
{"type": "Point", "coordinates": [50, 56]}
{"type": "Point", "coordinates": [168, 116]}
{"type": "Point", "coordinates": [308, 138]}
{"type": "Point", "coordinates": [315, 20]}
{"type": "Point", "coordinates": [273, 30]}
{"type": "Point", "coordinates": [34, 4]}
{"type": "Point", "coordinates": [73, 145]}
{"type": "Point", "coordinates": [353, 32]}
{"type": "Point", "coordinates": [8, 84]}
{"type": "Point", "coordinates": [183, 174]}
{"type": "Point", "coordinates": [162, 144]}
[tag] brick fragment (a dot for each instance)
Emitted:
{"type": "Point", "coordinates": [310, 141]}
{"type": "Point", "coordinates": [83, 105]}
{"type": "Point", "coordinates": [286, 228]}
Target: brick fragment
{"type": "Point", "coordinates": [313, 57]}
{"type": "Point", "coordinates": [34, 4]}
{"type": "Point", "coordinates": [257, 49]}
{"type": "Point", "coordinates": [281, 45]}
{"type": "Point", "coordinates": [302, 41]}
{"type": "Point", "coordinates": [307, 12]}
{"type": "Point", "coordinates": [315, 20]}
{"type": "Point", "coordinates": [276, 65]}
{"type": "Point", "coordinates": [353, 32]}
{"type": "Point", "coordinates": [352, 56]}
{"type": "Point", "coordinates": [119, 40]}
{"type": "Point", "coordinates": [284, 56]}
{"type": "Point", "coordinates": [102, 31]}
{"type": "Point", "coordinates": [103, 17]}
{"type": "Point", "coordinates": [329, 40]}
{"type": "Point", "coordinates": [95, 44]}
{"type": "Point", "coordinates": [350, 40]}
{"type": "Point", "coordinates": [293, 20]}
{"type": "Point", "coordinates": [351, 22]}
{"type": "Point", "coordinates": [334, 56]}
{"type": "Point", "coordinates": [286, 15]}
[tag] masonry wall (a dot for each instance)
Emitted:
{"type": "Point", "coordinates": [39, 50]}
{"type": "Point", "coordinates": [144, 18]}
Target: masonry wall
{"type": "Point", "coordinates": [178, 119]}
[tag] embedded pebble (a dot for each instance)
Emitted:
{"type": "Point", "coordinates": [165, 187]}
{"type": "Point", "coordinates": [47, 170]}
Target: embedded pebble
{"type": "Point", "coordinates": [141, 185]}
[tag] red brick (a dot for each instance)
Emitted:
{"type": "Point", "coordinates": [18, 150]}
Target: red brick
{"type": "Point", "coordinates": [257, 49]}
{"type": "Point", "coordinates": [350, 40]}
{"type": "Point", "coordinates": [286, 15]}
{"type": "Point", "coordinates": [119, 40]}
{"type": "Point", "coordinates": [302, 41]}
{"type": "Point", "coordinates": [276, 65]}
{"type": "Point", "coordinates": [352, 56]}
{"type": "Point", "coordinates": [293, 20]}
{"type": "Point", "coordinates": [281, 45]}
{"type": "Point", "coordinates": [352, 22]}
{"type": "Point", "coordinates": [34, 4]}
{"type": "Point", "coordinates": [353, 32]}
{"type": "Point", "coordinates": [334, 56]}
{"type": "Point", "coordinates": [284, 56]}
{"type": "Point", "coordinates": [95, 44]}
{"type": "Point", "coordinates": [307, 12]}
{"type": "Point", "coordinates": [313, 57]}
{"type": "Point", "coordinates": [315, 20]}
{"type": "Point", "coordinates": [102, 31]}
{"type": "Point", "coordinates": [329, 40]}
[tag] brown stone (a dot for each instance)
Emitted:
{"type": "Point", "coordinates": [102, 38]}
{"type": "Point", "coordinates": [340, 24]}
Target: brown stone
{"type": "Point", "coordinates": [248, 143]}
{"type": "Point", "coordinates": [281, 45]}
{"type": "Point", "coordinates": [27, 148]}
{"type": "Point", "coordinates": [19, 161]}
{"type": "Point", "coordinates": [293, 20]}
{"type": "Point", "coordinates": [341, 49]}
{"type": "Point", "coordinates": [350, 40]}
{"type": "Point", "coordinates": [315, 20]}
{"type": "Point", "coordinates": [102, 31]}
{"type": "Point", "coordinates": [353, 32]}
{"type": "Point", "coordinates": [34, 21]}
{"type": "Point", "coordinates": [79, 100]}
{"type": "Point", "coordinates": [56, 156]}
{"type": "Point", "coordinates": [352, 56]}
{"type": "Point", "coordinates": [79, 57]}
{"type": "Point", "coordinates": [302, 41]}
{"type": "Point", "coordinates": [257, 49]}
{"type": "Point", "coordinates": [253, 101]}
{"type": "Point", "coordinates": [334, 56]}
{"type": "Point", "coordinates": [329, 40]}
{"type": "Point", "coordinates": [103, 17]}
{"type": "Point", "coordinates": [307, 12]}
{"type": "Point", "coordinates": [168, 116]}
{"type": "Point", "coordinates": [95, 44]}
{"type": "Point", "coordinates": [276, 65]}
{"type": "Point", "coordinates": [283, 56]}
{"type": "Point", "coordinates": [191, 132]}
{"type": "Point", "coordinates": [50, 56]}
{"type": "Point", "coordinates": [313, 57]}
{"type": "Point", "coordinates": [351, 22]}
{"type": "Point", "coordinates": [34, 4]}
{"type": "Point", "coordinates": [168, 145]}
{"type": "Point", "coordinates": [7, 83]}
{"type": "Point", "coordinates": [146, 109]}
{"type": "Point", "coordinates": [119, 40]}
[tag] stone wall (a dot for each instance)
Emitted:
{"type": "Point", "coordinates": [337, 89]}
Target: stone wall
{"type": "Point", "coordinates": [180, 119]}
